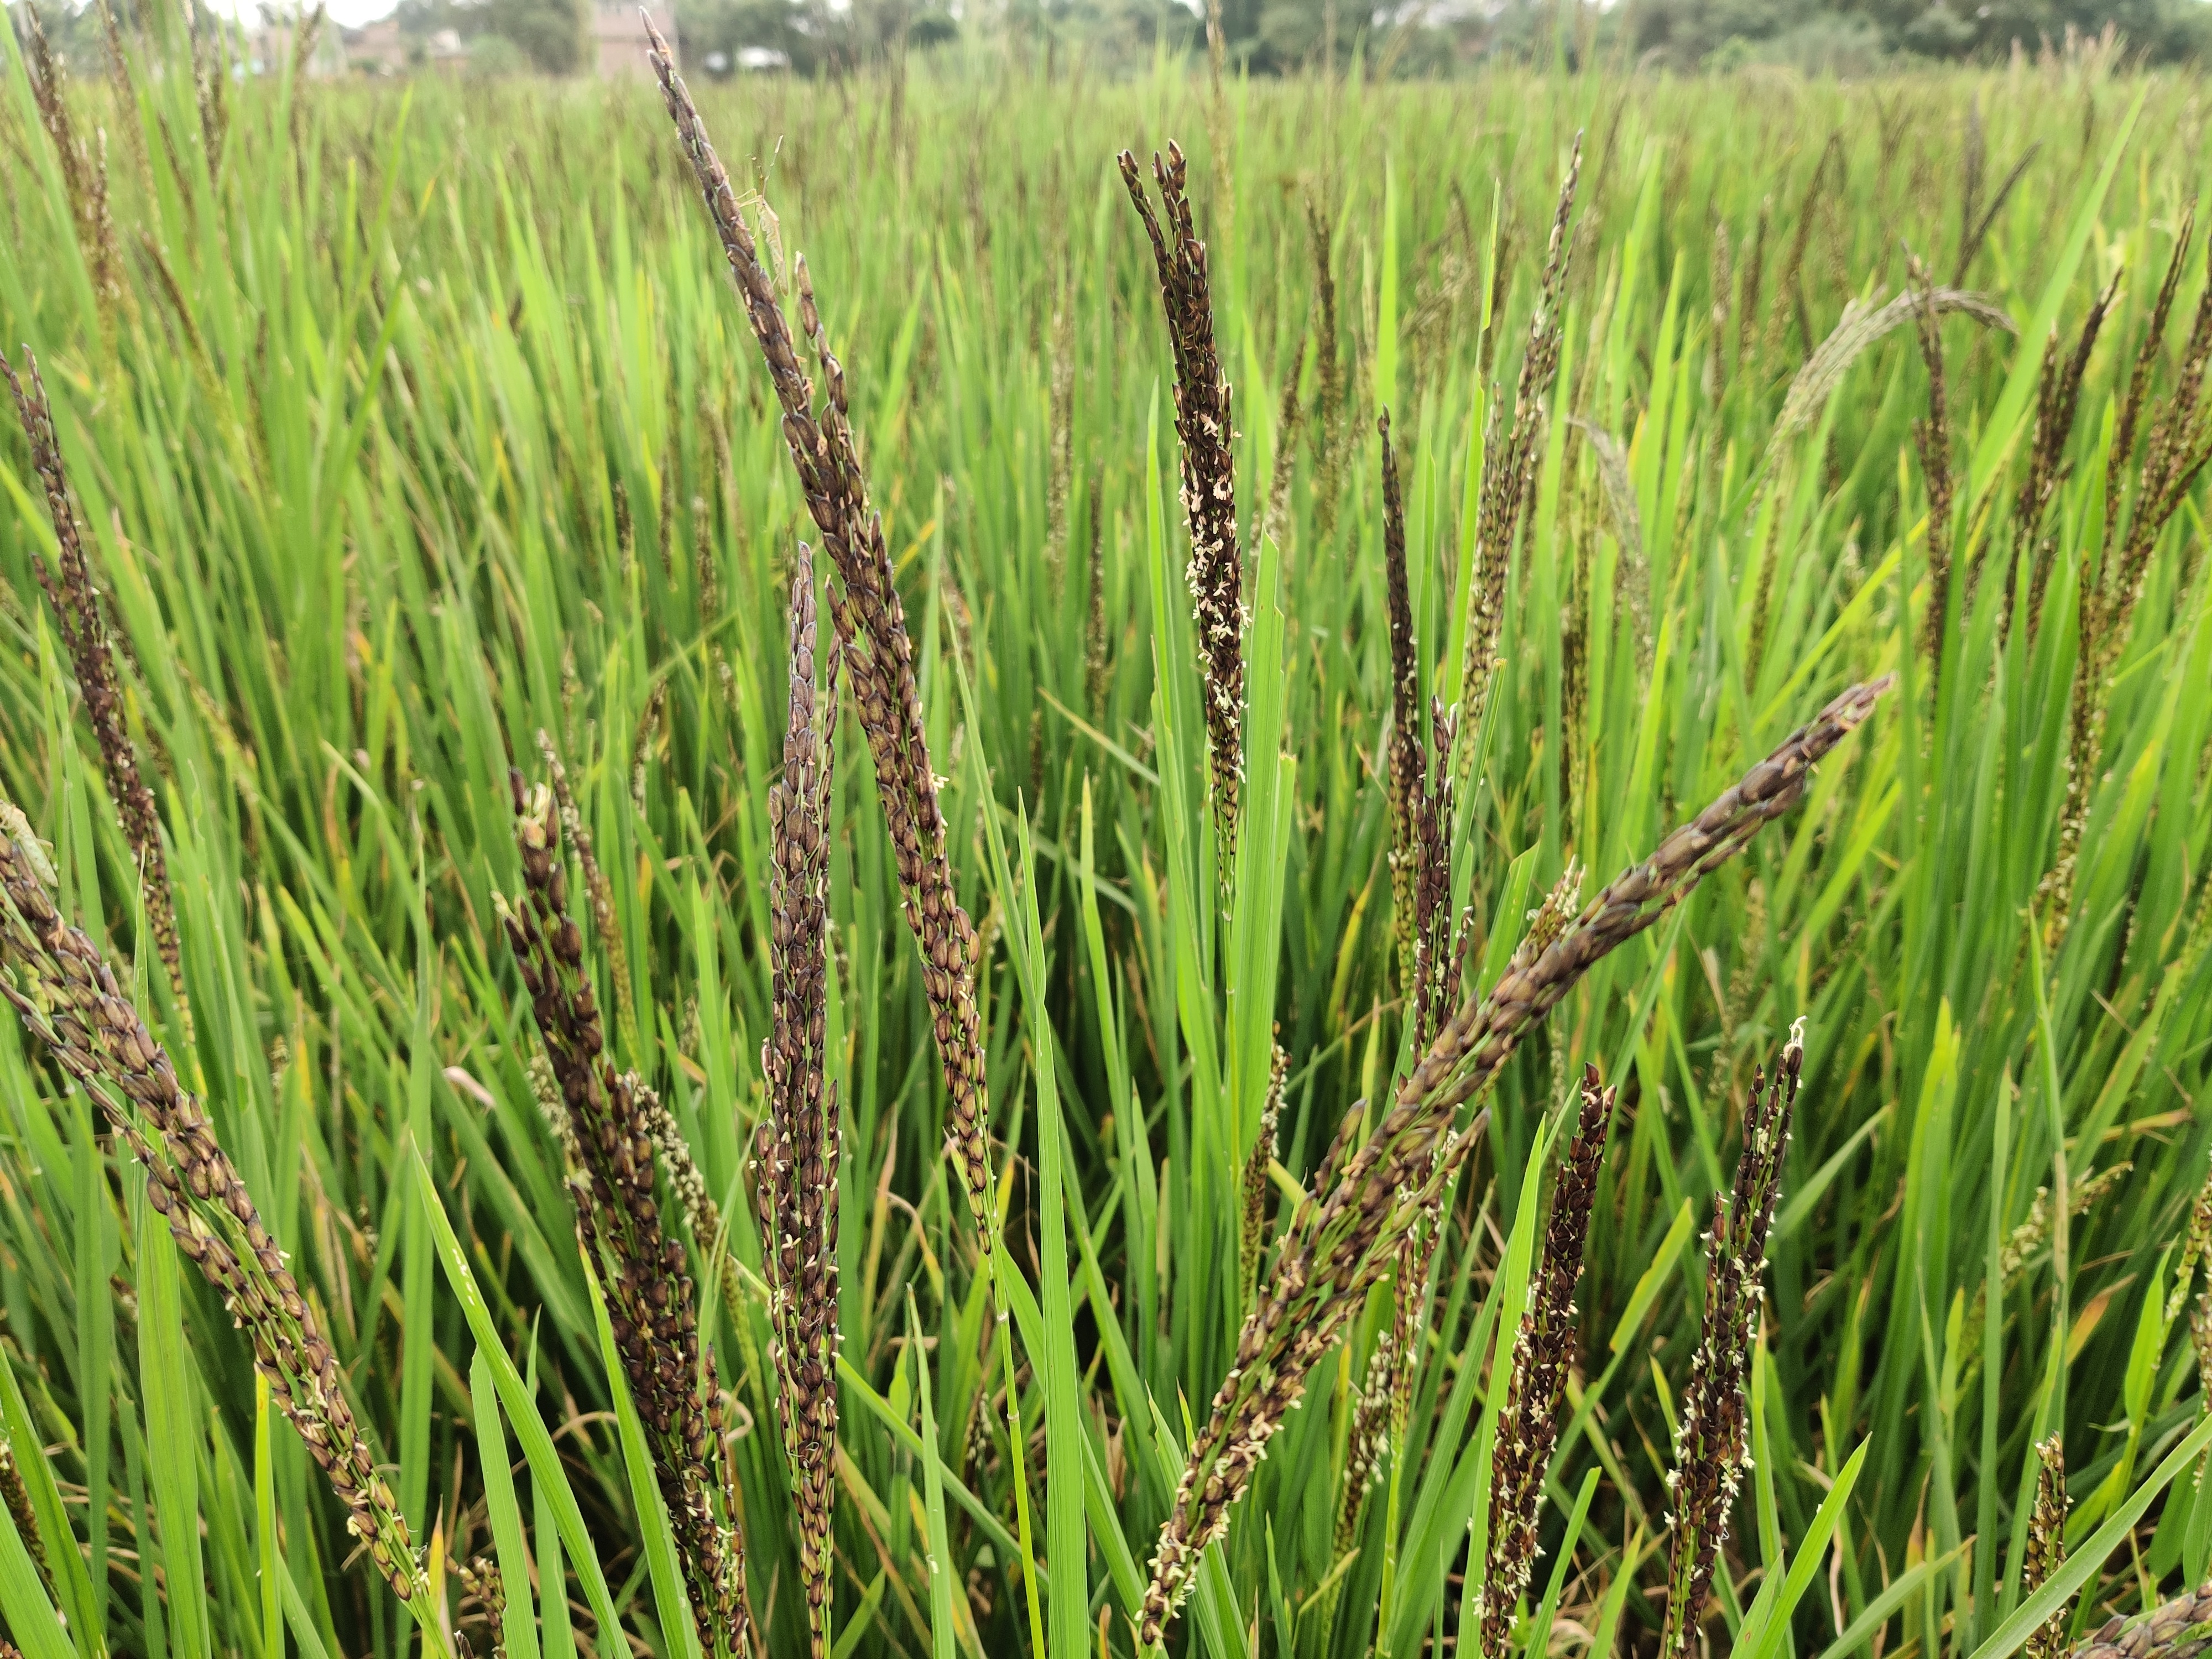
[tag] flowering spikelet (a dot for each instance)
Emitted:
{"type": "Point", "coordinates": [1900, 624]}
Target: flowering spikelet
{"type": "Point", "coordinates": [1710, 1449]}
{"type": "Point", "coordinates": [2057, 400]}
{"type": "Point", "coordinates": [69, 997]}
{"type": "Point", "coordinates": [1380, 1414]}
{"type": "Point", "coordinates": [1097, 668]}
{"type": "Point", "coordinates": [2200, 1314]}
{"type": "Point", "coordinates": [877, 652]}
{"type": "Point", "coordinates": [597, 889]}
{"type": "Point", "coordinates": [2177, 447]}
{"type": "Point", "coordinates": [2160, 449]}
{"type": "Point", "coordinates": [481, 1579]}
{"type": "Point", "coordinates": [545, 1090]}
{"type": "Point", "coordinates": [1476, 1042]}
{"type": "Point", "coordinates": [1407, 757]}
{"type": "Point", "coordinates": [1252, 1223]}
{"type": "Point", "coordinates": [1933, 436]}
{"type": "Point", "coordinates": [651, 1300]}
{"type": "Point", "coordinates": [2181, 1629]}
{"type": "Point", "coordinates": [1367, 1438]}
{"type": "Point", "coordinates": [1420, 793]}
{"type": "Point", "coordinates": [210, 73]}
{"type": "Point", "coordinates": [2196, 1248]}
{"type": "Point", "coordinates": [797, 1143]}
{"type": "Point", "coordinates": [1059, 475]}
{"type": "Point", "coordinates": [1417, 1253]}
{"type": "Point", "coordinates": [1432, 944]}
{"type": "Point", "coordinates": [2046, 1545]}
{"type": "Point", "coordinates": [1328, 376]}
{"type": "Point", "coordinates": [1542, 1352]}
{"type": "Point", "coordinates": [1340, 1244]}
{"type": "Point", "coordinates": [2026, 1241]}
{"type": "Point", "coordinates": [83, 170]}
{"type": "Point", "coordinates": [1509, 462]}
{"type": "Point", "coordinates": [646, 736]}
{"type": "Point", "coordinates": [1205, 425]}
{"type": "Point", "coordinates": [1275, 511]}
{"type": "Point", "coordinates": [84, 634]}
{"type": "Point", "coordinates": [673, 1154]}
{"type": "Point", "coordinates": [17, 1497]}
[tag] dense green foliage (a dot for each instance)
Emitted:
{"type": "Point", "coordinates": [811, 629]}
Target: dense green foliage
{"type": "Point", "coordinates": [1683, 32]}
{"type": "Point", "coordinates": [408, 425]}
{"type": "Point", "coordinates": [1855, 38]}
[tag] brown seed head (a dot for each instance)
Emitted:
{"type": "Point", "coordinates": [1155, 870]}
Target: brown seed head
{"type": "Point", "coordinates": [2046, 1545]}
{"type": "Point", "coordinates": [1207, 431]}
{"type": "Point", "coordinates": [84, 633]}
{"type": "Point", "coordinates": [69, 998]}
{"type": "Point", "coordinates": [1342, 1242]}
{"type": "Point", "coordinates": [873, 643]}
{"type": "Point", "coordinates": [1711, 1444]}
{"type": "Point", "coordinates": [651, 1299]}
{"type": "Point", "coordinates": [1511, 460]}
{"type": "Point", "coordinates": [1543, 1353]}
{"type": "Point", "coordinates": [797, 1147]}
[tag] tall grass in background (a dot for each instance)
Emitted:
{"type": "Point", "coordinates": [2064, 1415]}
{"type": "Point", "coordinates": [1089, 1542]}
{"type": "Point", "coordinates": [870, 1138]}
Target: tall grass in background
{"type": "Point", "coordinates": [408, 426]}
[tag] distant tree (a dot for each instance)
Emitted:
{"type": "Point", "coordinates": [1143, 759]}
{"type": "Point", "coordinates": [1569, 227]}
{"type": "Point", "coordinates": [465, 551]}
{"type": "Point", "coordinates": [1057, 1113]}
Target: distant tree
{"type": "Point", "coordinates": [1685, 32]}
{"type": "Point", "coordinates": [493, 56]}
{"type": "Point", "coordinates": [2160, 28]}
{"type": "Point", "coordinates": [548, 33]}
{"type": "Point", "coordinates": [1290, 35]}
{"type": "Point", "coordinates": [813, 36]}
{"type": "Point", "coordinates": [1856, 34]}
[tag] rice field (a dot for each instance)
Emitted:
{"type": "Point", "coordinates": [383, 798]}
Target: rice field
{"type": "Point", "coordinates": [1030, 992]}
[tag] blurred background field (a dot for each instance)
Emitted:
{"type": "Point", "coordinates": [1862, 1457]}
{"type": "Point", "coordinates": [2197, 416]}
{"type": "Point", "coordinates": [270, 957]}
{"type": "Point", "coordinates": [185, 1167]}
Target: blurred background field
{"type": "Point", "coordinates": [725, 38]}
{"type": "Point", "coordinates": [409, 421]}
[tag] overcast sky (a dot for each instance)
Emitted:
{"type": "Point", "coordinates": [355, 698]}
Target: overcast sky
{"type": "Point", "coordinates": [347, 14]}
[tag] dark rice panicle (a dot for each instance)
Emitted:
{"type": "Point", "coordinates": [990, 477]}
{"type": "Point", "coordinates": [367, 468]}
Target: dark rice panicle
{"type": "Point", "coordinates": [1543, 1353]}
{"type": "Point", "coordinates": [1711, 1449]}
{"type": "Point", "coordinates": [1511, 457]}
{"type": "Point", "coordinates": [2047, 1545]}
{"type": "Point", "coordinates": [84, 634]}
{"type": "Point", "coordinates": [797, 1144]}
{"type": "Point", "coordinates": [69, 997]}
{"type": "Point", "coordinates": [874, 644]}
{"type": "Point", "coordinates": [651, 1302]}
{"type": "Point", "coordinates": [1342, 1242]}
{"type": "Point", "coordinates": [1206, 428]}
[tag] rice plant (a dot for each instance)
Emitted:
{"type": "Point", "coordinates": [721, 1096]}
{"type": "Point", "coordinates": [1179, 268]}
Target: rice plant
{"type": "Point", "coordinates": [1150, 1148]}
